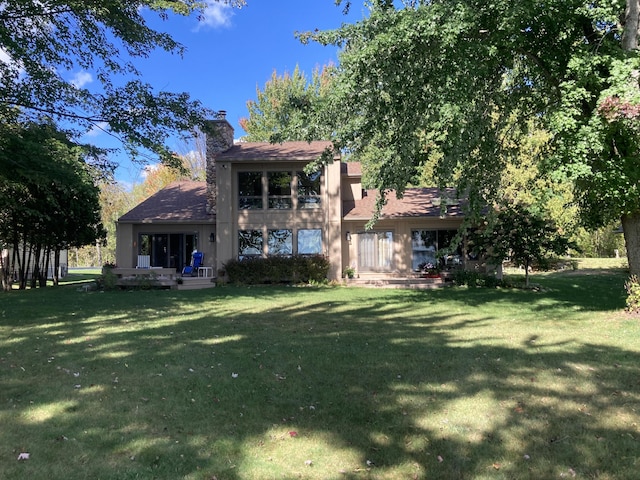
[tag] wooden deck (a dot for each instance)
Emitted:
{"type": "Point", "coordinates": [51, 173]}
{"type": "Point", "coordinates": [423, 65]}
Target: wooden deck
{"type": "Point", "coordinates": [413, 282]}
{"type": "Point", "coordinates": [160, 278]}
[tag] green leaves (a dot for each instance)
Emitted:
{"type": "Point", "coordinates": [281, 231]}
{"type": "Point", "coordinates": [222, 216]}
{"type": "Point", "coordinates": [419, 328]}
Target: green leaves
{"type": "Point", "coordinates": [443, 90]}
{"type": "Point", "coordinates": [289, 108]}
{"type": "Point", "coordinates": [46, 43]}
{"type": "Point", "coordinates": [48, 199]}
{"type": "Point", "coordinates": [520, 234]}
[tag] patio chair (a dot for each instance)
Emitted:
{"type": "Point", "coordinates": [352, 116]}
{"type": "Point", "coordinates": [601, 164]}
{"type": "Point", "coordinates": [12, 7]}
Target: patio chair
{"type": "Point", "coordinates": [144, 261]}
{"type": "Point", "coordinates": [196, 262]}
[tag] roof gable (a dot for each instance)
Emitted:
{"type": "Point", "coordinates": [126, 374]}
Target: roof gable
{"type": "Point", "coordinates": [416, 202]}
{"type": "Point", "coordinates": [177, 202]}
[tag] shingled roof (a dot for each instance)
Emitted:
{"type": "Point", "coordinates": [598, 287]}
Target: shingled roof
{"type": "Point", "coordinates": [288, 151]}
{"type": "Point", "coordinates": [416, 202]}
{"type": "Point", "coordinates": [178, 202]}
{"type": "Point", "coordinates": [351, 169]}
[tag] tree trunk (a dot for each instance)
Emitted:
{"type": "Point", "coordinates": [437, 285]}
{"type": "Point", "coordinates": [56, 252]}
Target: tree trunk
{"type": "Point", "coordinates": [631, 222]}
{"type": "Point", "coordinates": [631, 229]}
{"type": "Point", "coordinates": [631, 25]}
{"type": "Point", "coordinates": [56, 267]}
{"type": "Point", "coordinates": [99, 254]}
{"type": "Point", "coordinates": [5, 269]}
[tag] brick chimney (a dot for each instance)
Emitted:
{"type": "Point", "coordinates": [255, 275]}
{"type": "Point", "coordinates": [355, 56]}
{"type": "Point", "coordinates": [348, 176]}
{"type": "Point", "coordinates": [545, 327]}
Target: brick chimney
{"type": "Point", "coordinates": [219, 139]}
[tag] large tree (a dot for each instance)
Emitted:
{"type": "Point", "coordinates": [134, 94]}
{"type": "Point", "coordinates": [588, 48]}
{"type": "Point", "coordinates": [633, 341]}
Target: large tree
{"type": "Point", "coordinates": [46, 46]}
{"type": "Point", "coordinates": [48, 200]}
{"type": "Point", "coordinates": [520, 234]}
{"type": "Point", "coordinates": [444, 79]}
{"type": "Point", "coordinates": [289, 108]}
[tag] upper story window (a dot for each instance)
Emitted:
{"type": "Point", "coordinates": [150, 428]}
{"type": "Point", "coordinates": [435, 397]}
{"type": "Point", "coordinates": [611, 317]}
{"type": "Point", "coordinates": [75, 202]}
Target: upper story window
{"type": "Point", "coordinates": [250, 190]}
{"type": "Point", "coordinates": [309, 189]}
{"type": "Point", "coordinates": [279, 190]}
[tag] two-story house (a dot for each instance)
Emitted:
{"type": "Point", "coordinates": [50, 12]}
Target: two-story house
{"type": "Point", "coordinates": [258, 201]}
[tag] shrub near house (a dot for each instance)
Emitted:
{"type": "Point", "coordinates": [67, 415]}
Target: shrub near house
{"type": "Point", "coordinates": [295, 269]}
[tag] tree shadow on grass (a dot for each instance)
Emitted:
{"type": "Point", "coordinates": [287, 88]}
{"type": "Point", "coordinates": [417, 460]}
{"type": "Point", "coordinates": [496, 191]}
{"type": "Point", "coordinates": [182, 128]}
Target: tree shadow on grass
{"type": "Point", "coordinates": [369, 384]}
{"type": "Point", "coordinates": [592, 291]}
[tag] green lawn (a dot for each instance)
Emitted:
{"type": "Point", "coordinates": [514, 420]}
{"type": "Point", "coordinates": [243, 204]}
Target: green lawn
{"type": "Point", "coordinates": [322, 383]}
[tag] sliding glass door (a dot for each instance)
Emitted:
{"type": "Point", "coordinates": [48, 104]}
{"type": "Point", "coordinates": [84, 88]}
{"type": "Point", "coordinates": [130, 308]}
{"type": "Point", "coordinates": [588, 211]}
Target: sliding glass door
{"type": "Point", "coordinates": [168, 250]}
{"type": "Point", "coordinates": [375, 251]}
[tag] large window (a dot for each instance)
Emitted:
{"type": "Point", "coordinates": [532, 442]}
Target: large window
{"type": "Point", "coordinates": [249, 243]}
{"type": "Point", "coordinates": [310, 241]}
{"type": "Point", "coordinates": [309, 189]}
{"type": "Point", "coordinates": [282, 192]}
{"type": "Point", "coordinates": [250, 190]}
{"type": "Point", "coordinates": [375, 251]}
{"type": "Point", "coordinates": [279, 190]}
{"type": "Point", "coordinates": [280, 242]}
{"type": "Point", "coordinates": [432, 247]}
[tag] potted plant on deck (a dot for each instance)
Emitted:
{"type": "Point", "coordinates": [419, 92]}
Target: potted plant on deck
{"type": "Point", "coordinates": [349, 272]}
{"type": "Point", "coordinates": [429, 270]}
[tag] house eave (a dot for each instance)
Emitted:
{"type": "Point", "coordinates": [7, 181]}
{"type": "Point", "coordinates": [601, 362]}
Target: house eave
{"type": "Point", "coordinates": [355, 218]}
{"type": "Point", "coordinates": [162, 221]}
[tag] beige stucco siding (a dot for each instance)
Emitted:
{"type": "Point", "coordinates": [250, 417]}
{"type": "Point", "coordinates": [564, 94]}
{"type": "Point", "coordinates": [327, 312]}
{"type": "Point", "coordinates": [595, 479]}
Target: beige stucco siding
{"type": "Point", "coordinates": [128, 237]}
{"type": "Point", "coordinates": [401, 228]}
{"type": "Point", "coordinates": [232, 219]}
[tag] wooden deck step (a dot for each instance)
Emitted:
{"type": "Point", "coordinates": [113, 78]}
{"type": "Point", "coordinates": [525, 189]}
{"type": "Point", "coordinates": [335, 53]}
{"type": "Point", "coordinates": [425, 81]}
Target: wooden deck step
{"type": "Point", "coordinates": [196, 283]}
{"type": "Point", "coordinates": [397, 282]}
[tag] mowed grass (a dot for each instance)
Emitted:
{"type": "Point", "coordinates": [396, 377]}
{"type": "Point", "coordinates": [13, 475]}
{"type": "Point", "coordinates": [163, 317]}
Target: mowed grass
{"type": "Point", "coordinates": [322, 383]}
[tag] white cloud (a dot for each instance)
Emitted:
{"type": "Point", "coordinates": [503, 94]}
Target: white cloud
{"type": "Point", "coordinates": [4, 56]}
{"type": "Point", "coordinates": [97, 129]}
{"type": "Point", "coordinates": [8, 60]}
{"type": "Point", "coordinates": [80, 79]}
{"type": "Point", "coordinates": [215, 14]}
{"type": "Point", "coordinates": [147, 169]}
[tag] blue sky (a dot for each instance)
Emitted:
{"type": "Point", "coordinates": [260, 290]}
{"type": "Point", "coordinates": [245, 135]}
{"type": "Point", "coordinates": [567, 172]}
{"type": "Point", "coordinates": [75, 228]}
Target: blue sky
{"type": "Point", "coordinates": [233, 52]}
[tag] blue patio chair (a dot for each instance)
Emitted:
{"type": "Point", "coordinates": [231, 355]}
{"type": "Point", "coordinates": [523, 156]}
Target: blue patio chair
{"type": "Point", "coordinates": [196, 262]}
